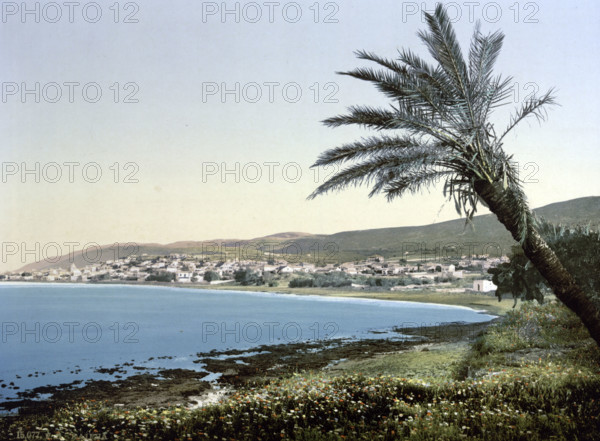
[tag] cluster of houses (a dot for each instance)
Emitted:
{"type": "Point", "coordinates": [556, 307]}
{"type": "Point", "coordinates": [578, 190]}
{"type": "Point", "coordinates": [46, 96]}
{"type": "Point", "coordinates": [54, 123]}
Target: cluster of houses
{"type": "Point", "coordinates": [189, 268]}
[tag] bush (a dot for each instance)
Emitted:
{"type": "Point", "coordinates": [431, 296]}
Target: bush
{"type": "Point", "coordinates": [162, 276]}
{"type": "Point", "coordinates": [248, 277]}
{"type": "Point", "coordinates": [578, 249]}
{"type": "Point", "coordinates": [301, 283]}
{"type": "Point", "coordinates": [210, 276]}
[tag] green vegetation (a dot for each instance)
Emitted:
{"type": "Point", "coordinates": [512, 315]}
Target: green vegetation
{"type": "Point", "coordinates": [340, 280]}
{"type": "Point", "coordinates": [577, 247]}
{"type": "Point", "coordinates": [535, 333]}
{"type": "Point", "coordinates": [533, 376]}
{"type": "Point", "coordinates": [248, 277]}
{"type": "Point", "coordinates": [162, 276]}
{"type": "Point", "coordinates": [210, 276]}
{"type": "Point", "coordinates": [327, 280]}
{"type": "Point", "coordinates": [427, 362]}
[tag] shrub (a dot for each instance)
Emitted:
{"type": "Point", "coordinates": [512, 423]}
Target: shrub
{"type": "Point", "coordinates": [210, 276]}
{"type": "Point", "coordinates": [162, 276]}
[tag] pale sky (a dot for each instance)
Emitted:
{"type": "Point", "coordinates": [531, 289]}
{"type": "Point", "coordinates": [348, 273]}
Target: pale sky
{"type": "Point", "coordinates": [181, 61]}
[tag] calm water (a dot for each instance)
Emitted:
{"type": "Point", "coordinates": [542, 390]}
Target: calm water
{"type": "Point", "coordinates": [65, 332]}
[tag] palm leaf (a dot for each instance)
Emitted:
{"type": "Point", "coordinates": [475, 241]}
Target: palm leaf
{"type": "Point", "coordinates": [533, 107]}
{"type": "Point", "coordinates": [367, 147]}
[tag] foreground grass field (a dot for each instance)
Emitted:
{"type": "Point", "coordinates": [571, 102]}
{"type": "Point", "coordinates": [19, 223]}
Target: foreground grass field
{"type": "Point", "coordinates": [534, 376]}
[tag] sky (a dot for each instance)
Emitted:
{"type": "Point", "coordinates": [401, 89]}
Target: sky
{"type": "Point", "coordinates": [158, 122]}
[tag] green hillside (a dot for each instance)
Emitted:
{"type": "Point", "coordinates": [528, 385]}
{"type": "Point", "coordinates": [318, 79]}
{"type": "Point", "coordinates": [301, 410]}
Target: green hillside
{"type": "Point", "coordinates": [486, 233]}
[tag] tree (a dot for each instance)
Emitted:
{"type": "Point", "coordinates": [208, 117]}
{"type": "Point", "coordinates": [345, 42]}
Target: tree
{"type": "Point", "coordinates": [577, 246]}
{"type": "Point", "coordinates": [440, 115]}
{"type": "Point", "coordinates": [248, 277]}
{"type": "Point", "coordinates": [210, 276]}
{"type": "Point", "coordinates": [162, 276]}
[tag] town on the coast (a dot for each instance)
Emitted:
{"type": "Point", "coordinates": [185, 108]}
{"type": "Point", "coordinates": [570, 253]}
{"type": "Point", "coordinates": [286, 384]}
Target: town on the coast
{"type": "Point", "coordinates": [467, 273]}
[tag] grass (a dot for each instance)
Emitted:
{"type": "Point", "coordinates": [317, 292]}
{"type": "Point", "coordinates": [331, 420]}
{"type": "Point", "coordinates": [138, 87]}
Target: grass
{"type": "Point", "coordinates": [534, 333]}
{"type": "Point", "coordinates": [533, 376]}
{"type": "Point", "coordinates": [427, 362]}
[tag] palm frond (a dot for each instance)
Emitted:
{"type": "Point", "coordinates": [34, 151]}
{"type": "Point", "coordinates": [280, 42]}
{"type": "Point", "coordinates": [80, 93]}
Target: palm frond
{"type": "Point", "coordinates": [482, 56]}
{"type": "Point", "coordinates": [444, 48]}
{"type": "Point", "coordinates": [378, 119]}
{"type": "Point", "coordinates": [388, 83]}
{"type": "Point", "coordinates": [390, 64]}
{"type": "Point", "coordinates": [381, 167]}
{"type": "Point", "coordinates": [492, 95]}
{"type": "Point", "coordinates": [367, 147]}
{"type": "Point", "coordinates": [422, 74]}
{"type": "Point", "coordinates": [412, 181]}
{"type": "Point", "coordinates": [459, 188]}
{"type": "Point", "coordinates": [486, 91]}
{"type": "Point", "coordinates": [418, 121]}
{"type": "Point", "coordinates": [533, 107]}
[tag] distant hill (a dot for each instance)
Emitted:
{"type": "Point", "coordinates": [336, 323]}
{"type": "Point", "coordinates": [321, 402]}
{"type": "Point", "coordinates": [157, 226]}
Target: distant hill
{"type": "Point", "coordinates": [355, 245]}
{"type": "Point", "coordinates": [486, 229]}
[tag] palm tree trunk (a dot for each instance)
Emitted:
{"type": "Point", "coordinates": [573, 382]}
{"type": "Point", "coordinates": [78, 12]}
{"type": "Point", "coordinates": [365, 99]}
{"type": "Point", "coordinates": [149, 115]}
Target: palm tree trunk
{"type": "Point", "coordinates": [501, 203]}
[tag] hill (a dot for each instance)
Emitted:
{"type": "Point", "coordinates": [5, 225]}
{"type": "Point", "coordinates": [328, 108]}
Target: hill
{"type": "Point", "coordinates": [448, 238]}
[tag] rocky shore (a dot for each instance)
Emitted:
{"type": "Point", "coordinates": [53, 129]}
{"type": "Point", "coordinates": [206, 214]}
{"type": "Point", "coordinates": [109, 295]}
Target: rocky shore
{"type": "Point", "coordinates": [221, 372]}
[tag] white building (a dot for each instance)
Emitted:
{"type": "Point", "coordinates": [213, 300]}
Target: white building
{"type": "Point", "coordinates": [75, 273]}
{"type": "Point", "coordinates": [484, 286]}
{"type": "Point", "coordinates": [457, 274]}
{"type": "Point", "coordinates": [184, 276]}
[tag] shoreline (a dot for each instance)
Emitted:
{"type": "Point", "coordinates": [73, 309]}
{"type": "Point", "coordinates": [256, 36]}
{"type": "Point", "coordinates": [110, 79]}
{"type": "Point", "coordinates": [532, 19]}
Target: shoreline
{"type": "Point", "coordinates": [169, 386]}
{"type": "Point", "coordinates": [233, 369]}
{"type": "Point", "coordinates": [491, 306]}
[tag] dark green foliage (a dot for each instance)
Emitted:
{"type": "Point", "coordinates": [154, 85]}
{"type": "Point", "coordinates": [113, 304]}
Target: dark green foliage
{"type": "Point", "coordinates": [162, 276]}
{"type": "Point", "coordinates": [339, 280]}
{"type": "Point", "coordinates": [578, 248]}
{"type": "Point", "coordinates": [307, 282]}
{"type": "Point", "coordinates": [248, 277]}
{"type": "Point", "coordinates": [328, 280]}
{"type": "Point", "coordinates": [388, 282]}
{"type": "Point", "coordinates": [519, 278]}
{"type": "Point", "coordinates": [210, 276]}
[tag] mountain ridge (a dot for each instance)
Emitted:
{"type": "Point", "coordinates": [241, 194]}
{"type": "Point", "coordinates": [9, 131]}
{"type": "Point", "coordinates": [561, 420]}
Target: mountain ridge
{"type": "Point", "coordinates": [358, 244]}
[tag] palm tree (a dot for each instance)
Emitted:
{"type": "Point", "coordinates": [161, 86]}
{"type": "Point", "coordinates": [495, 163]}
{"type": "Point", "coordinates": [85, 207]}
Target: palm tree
{"type": "Point", "coordinates": [441, 132]}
